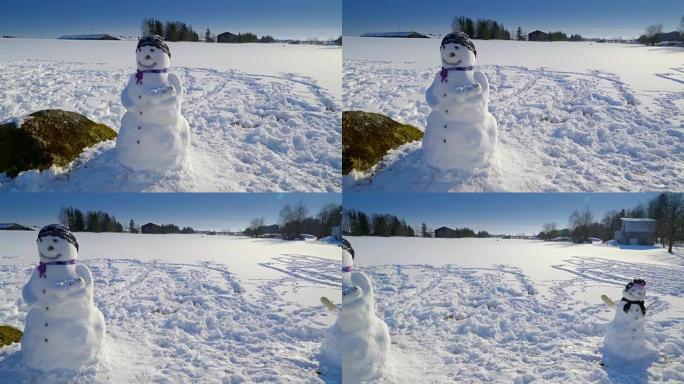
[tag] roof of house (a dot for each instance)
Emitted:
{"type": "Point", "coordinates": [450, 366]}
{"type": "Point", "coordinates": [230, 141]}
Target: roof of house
{"type": "Point", "coordinates": [7, 225]}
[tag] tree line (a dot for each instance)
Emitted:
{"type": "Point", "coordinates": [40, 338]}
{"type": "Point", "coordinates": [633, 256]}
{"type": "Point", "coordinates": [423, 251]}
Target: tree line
{"type": "Point", "coordinates": [358, 223]}
{"type": "Point", "coordinates": [90, 221]}
{"type": "Point", "coordinates": [667, 209]}
{"type": "Point", "coordinates": [169, 30]}
{"type": "Point", "coordinates": [294, 221]}
{"type": "Point", "coordinates": [484, 29]}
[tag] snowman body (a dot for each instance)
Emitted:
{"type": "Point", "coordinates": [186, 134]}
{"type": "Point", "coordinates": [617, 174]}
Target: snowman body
{"type": "Point", "coordinates": [359, 339]}
{"type": "Point", "coordinates": [625, 338]}
{"type": "Point", "coordinates": [154, 136]}
{"type": "Point", "coordinates": [64, 329]}
{"type": "Point", "coordinates": [461, 134]}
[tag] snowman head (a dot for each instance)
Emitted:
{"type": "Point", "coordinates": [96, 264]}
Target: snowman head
{"type": "Point", "coordinates": [56, 243]}
{"type": "Point", "coordinates": [635, 290]}
{"type": "Point", "coordinates": [457, 50]}
{"type": "Point", "coordinates": [358, 296]}
{"type": "Point", "coordinates": [152, 53]}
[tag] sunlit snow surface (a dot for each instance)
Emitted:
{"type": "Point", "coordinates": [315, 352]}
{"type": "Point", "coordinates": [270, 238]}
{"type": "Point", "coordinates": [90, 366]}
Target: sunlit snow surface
{"type": "Point", "coordinates": [263, 117]}
{"type": "Point", "coordinates": [489, 310]}
{"type": "Point", "coordinates": [189, 308]}
{"type": "Point", "coordinates": [572, 116]}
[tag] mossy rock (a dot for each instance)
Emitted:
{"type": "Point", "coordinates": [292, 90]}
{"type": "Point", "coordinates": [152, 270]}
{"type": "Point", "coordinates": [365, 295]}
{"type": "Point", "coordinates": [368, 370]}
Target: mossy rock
{"type": "Point", "coordinates": [47, 137]}
{"type": "Point", "coordinates": [9, 335]}
{"type": "Point", "coordinates": [366, 138]}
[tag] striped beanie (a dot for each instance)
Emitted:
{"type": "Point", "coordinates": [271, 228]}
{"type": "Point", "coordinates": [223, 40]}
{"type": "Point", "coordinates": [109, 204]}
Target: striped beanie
{"type": "Point", "coordinates": [58, 230]}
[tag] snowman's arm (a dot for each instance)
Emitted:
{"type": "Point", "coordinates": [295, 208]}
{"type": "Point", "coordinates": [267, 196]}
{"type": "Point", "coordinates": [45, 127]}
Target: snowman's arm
{"type": "Point", "coordinates": [84, 273]}
{"type": "Point", "coordinates": [430, 96]}
{"type": "Point", "coordinates": [125, 97]}
{"type": "Point", "coordinates": [176, 83]}
{"type": "Point", "coordinates": [481, 79]}
{"type": "Point", "coordinates": [27, 293]}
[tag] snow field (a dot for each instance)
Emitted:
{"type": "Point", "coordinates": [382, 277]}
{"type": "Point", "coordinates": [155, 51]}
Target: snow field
{"type": "Point", "coordinates": [174, 316]}
{"type": "Point", "coordinates": [482, 310]}
{"type": "Point", "coordinates": [257, 128]}
{"type": "Point", "coordinates": [563, 126]}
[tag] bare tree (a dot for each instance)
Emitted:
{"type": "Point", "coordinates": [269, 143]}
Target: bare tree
{"type": "Point", "coordinates": [652, 32]}
{"type": "Point", "coordinates": [549, 230]}
{"type": "Point", "coordinates": [292, 220]}
{"type": "Point", "coordinates": [256, 226]}
{"type": "Point", "coordinates": [673, 217]}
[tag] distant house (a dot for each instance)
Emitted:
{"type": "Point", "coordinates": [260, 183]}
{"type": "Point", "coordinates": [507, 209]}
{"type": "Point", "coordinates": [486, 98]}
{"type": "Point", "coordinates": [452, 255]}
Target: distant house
{"type": "Point", "coordinates": [101, 36]}
{"type": "Point", "coordinates": [151, 228]}
{"type": "Point", "coordinates": [636, 231]}
{"type": "Point", "coordinates": [445, 232]}
{"type": "Point", "coordinates": [405, 35]}
{"type": "Point", "coordinates": [227, 37]}
{"type": "Point", "coordinates": [13, 227]}
{"type": "Point", "coordinates": [538, 36]}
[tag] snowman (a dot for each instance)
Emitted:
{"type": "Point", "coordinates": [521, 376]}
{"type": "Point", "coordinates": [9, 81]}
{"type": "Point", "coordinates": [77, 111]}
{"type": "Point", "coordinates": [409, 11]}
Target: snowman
{"type": "Point", "coordinates": [154, 136]}
{"type": "Point", "coordinates": [357, 346]}
{"type": "Point", "coordinates": [64, 329]}
{"type": "Point", "coordinates": [625, 339]}
{"type": "Point", "coordinates": [461, 134]}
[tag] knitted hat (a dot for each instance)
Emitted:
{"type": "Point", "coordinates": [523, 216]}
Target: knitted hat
{"type": "Point", "coordinates": [58, 230]}
{"type": "Point", "coordinates": [347, 247]}
{"type": "Point", "coordinates": [154, 41]}
{"type": "Point", "coordinates": [459, 38]}
{"type": "Point", "coordinates": [635, 282]}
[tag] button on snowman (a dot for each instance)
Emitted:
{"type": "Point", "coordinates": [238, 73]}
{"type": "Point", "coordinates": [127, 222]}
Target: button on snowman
{"type": "Point", "coordinates": [461, 134]}
{"type": "Point", "coordinates": [64, 329]}
{"type": "Point", "coordinates": [154, 136]}
{"type": "Point", "coordinates": [359, 340]}
{"type": "Point", "coordinates": [625, 339]}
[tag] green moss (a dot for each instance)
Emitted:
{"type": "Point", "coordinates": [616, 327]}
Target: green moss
{"type": "Point", "coordinates": [48, 137]}
{"type": "Point", "coordinates": [366, 138]}
{"type": "Point", "coordinates": [9, 335]}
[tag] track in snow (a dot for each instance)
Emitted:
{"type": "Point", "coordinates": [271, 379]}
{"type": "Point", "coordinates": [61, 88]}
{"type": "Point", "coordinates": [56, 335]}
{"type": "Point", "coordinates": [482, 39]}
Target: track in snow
{"type": "Point", "coordinates": [250, 133]}
{"type": "Point", "coordinates": [491, 325]}
{"type": "Point", "coordinates": [171, 322]}
{"type": "Point", "coordinates": [558, 131]}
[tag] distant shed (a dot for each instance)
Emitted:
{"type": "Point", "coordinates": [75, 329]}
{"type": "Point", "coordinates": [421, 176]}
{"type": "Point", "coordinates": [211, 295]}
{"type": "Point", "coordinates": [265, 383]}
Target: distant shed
{"type": "Point", "coordinates": [636, 231]}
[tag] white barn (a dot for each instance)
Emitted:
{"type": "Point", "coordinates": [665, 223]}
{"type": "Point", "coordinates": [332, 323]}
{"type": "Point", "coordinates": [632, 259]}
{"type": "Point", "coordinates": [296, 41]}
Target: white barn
{"type": "Point", "coordinates": [636, 231]}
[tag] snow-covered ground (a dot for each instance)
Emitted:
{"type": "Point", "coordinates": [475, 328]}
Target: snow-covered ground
{"type": "Point", "coordinates": [263, 117]}
{"type": "Point", "coordinates": [494, 310]}
{"type": "Point", "coordinates": [572, 116]}
{"type": "Point", "coordinates": [190, 308]}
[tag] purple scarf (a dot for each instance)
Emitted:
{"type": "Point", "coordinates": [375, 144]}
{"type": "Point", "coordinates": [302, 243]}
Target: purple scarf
{"type": "Point", "coordinates": [42, 267]}
{"type": "Point", "coordinates": [444, 73]}
{"type": "Point", "coordinates": [139, 74]}
{"type": "Point", "coordinates": [346, 269]}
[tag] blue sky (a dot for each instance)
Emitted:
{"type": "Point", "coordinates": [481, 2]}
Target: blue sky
{"type": "Point", "coordinates": [217, 211]}
{"type": "Point", "coordinates": [590, 18]}
{"type": "Point", "coordinates": [511, 213]}
{"type": "Point", "coordinates": [280, 18]}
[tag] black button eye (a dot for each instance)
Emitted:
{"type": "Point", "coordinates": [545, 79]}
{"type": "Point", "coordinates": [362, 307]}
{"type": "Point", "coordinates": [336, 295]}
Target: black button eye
{"type": "Point", "coordinates": [54, 240]}
{"type": "Point", "coordinates": [151, 50]}
{"type": "Point", "coordinates": [456, 47]}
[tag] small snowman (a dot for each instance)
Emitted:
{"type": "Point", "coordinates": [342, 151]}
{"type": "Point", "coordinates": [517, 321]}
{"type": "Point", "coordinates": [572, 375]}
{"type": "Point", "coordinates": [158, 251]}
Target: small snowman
{"type": "Point", "coordinates": [461, 134]}
{"type": "Point", "coordinates": [357, 346]}
{"type": "Point", "coordinates": [154, 136]}
{"type": "Point", "coordinates": [64, 329]}
{"type": "Point", "coordinates": [625, 339]}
